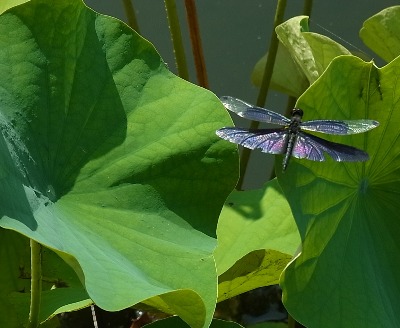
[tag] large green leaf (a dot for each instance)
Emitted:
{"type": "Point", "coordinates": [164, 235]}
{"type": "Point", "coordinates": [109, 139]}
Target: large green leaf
{"type": "Point", "coordinates": [110, 159]}
{"type": "Point", "coordinates": [347, 213]}
{"type": "Point", "coordinates": [257, 237]}
{"type": "Point", "coordinates": [381, 33]}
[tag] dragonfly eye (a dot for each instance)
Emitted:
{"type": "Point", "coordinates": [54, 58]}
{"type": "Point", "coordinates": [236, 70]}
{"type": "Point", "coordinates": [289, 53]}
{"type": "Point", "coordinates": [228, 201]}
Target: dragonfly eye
{"type": "Point", "coordinates": [297, 112]}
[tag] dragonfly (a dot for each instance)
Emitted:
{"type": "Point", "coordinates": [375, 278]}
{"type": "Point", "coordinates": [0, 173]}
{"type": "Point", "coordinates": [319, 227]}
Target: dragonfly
{"type": "Point", "coordinates": [291, 140]}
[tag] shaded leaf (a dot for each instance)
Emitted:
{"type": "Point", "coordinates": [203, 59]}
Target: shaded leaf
{"type": "Point", "coordinates": [178, 323]}
{"type": "Point", "coordinates": [256, 239]}
{"type": "Point", "coordinates": [256, 269]}
{"type": "Point", "coordinates": [14, 257]}
{"type": "Point", "coordinates": [255, 220]}
{"type": "Point", "coordinates": [269, 325]}
{"type": "Point", "coordinates": [60, 283]}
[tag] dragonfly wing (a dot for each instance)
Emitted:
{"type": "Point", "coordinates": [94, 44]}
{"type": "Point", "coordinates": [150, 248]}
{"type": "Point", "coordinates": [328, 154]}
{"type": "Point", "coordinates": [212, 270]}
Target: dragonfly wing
{"type": "Point", "coordinates": [254, 113]}
{"type": "Point", "coordinates": [313, 148]}
{"type": "Point", "coordinates": [305, 147]}
{"type": "Point", "coordinates": [272, 141]}
{"type": "Point", "coordinates": [339, 127]}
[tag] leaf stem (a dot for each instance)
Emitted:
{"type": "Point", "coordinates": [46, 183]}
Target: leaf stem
{"type": "Point", "coordinates": [291, 103]}
{"type": "Point", "coordinates": [263, 92]}
{"type": "Point", "coordinates": [273, 48]}
{"type": "Point", "coordinates": [130, 14]}
{"type": "Point", "coordinates": [176, 36]}
{"type": "Point", "coordinates": [307, 7]}
{"type": "Point", "coordinates": [36, 283]}
{"type": "Point", "coordinates": [197, 49]}
{"type": "Point", "coordinates": [291, 322]}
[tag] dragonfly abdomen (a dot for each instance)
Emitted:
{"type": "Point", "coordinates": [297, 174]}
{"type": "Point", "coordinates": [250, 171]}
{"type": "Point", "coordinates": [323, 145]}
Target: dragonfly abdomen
{"type": "Point", "coordinates": [289, 149]}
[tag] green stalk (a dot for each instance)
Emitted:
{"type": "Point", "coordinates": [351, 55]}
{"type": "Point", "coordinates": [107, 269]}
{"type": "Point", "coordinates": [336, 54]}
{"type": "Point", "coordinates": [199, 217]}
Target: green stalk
{"type": "Point", "coordinates": [307, 7]}
{"type": "Point", "coordinates": [291, 322]}
{"type": "Point", "coordinates": [36, 283]}
{"type": "Point", "coordinates": [263, 92]}
{"type": "Point", "coordinates": [291, 103]}
{"type": "Point", "coordinates": [195, 39]}
{"type": "Point", "coordinates": [176, 36]}
{"type": "Point", "coordinates": [273, 49]}
{"type": "Point", "coordinates": [130, 14]}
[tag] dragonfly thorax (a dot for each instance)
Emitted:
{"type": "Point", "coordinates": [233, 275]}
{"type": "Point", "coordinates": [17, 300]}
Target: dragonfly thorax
{"type": "Point", "coordinates": [297, 112]}
{"type": "Point", "coordinates": [294, 125]}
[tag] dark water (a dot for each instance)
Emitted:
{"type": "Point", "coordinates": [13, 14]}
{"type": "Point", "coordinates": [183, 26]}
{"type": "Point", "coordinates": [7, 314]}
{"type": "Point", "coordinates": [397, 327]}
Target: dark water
{"type": "Point", "coordinates": [235, 34]}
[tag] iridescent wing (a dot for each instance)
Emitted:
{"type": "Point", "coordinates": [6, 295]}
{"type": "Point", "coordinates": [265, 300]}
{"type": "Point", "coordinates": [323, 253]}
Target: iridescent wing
{"type": "Point", "coordinates": [339, 127]}
{"type": "Point", "coordinates": [313, 148]}
{"type": "Point", "coordinates": [253, 113]}
{"type": "Point", "coordinates": [272, 141]}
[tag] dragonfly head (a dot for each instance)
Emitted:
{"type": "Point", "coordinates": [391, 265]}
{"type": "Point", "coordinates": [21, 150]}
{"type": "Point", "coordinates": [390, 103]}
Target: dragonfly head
{"type": "Point", "coordinates": [297, 112]}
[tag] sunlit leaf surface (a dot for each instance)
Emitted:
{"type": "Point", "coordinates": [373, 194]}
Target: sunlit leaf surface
{"type": "Point", "coordinates": [347, 213]}
{"type": "Point", "coordinates": [381, 33]}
